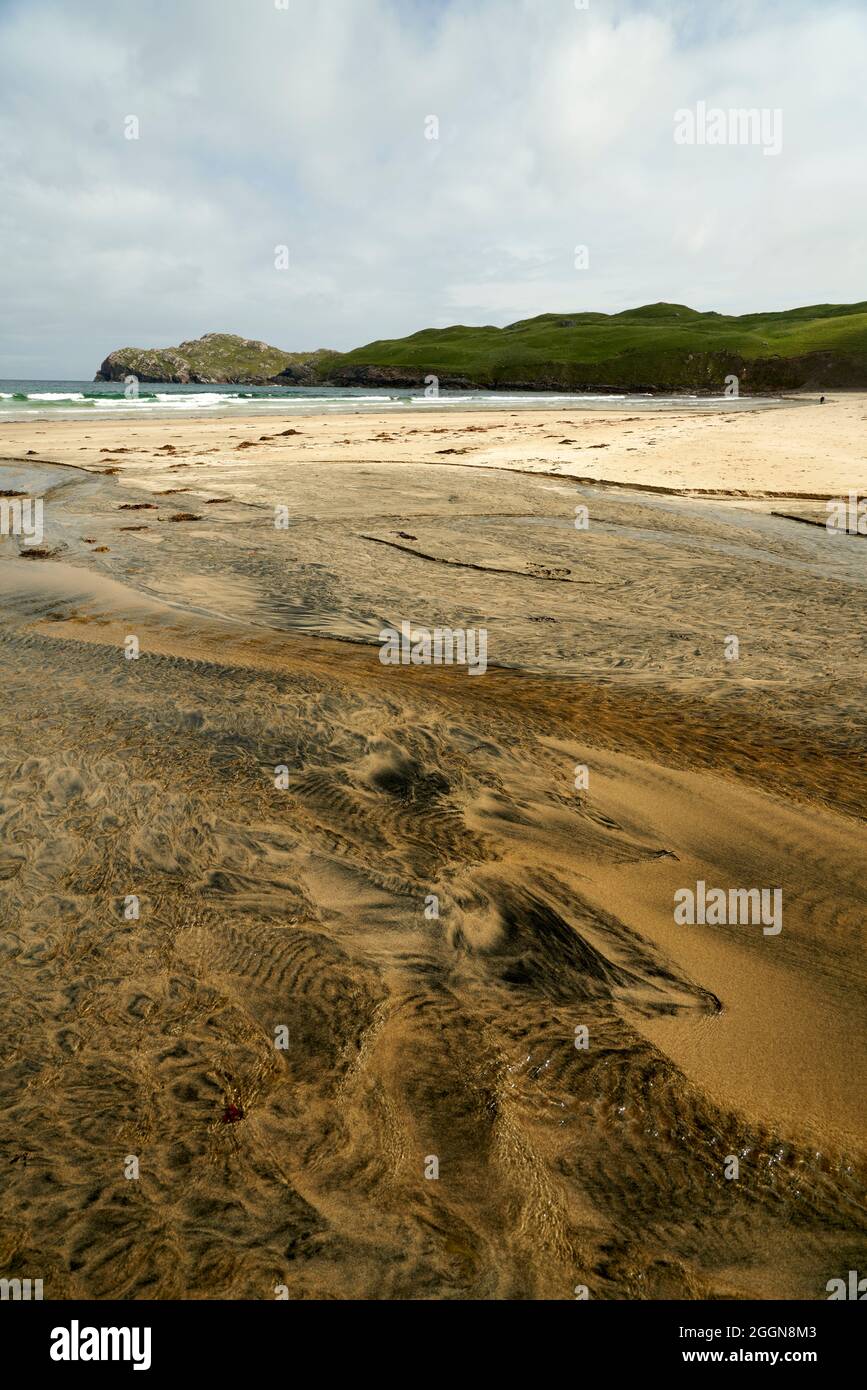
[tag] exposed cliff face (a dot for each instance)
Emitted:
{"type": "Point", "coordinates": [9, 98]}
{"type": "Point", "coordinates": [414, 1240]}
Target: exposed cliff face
{"type": "Point", "coordinates": [216, 358]}
{"type": "Point", "coordinates": [660, 347]}
{"type": "Point", "coordinates": [402, 377]}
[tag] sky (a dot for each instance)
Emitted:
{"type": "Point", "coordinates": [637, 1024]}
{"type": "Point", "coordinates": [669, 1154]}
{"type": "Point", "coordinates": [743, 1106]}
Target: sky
{"type": "Point", "coordinates": [306, 125]}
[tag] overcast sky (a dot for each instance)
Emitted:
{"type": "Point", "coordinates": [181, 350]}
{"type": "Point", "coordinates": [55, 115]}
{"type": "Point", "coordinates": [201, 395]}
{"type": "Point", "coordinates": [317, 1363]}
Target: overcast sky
{"type": "Point", "coordinates": [305, 126]}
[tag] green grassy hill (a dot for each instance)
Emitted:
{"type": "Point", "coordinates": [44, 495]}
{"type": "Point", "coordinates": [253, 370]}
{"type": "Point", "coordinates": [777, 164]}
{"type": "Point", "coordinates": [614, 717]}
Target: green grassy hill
{"type": "Point", "coordinates": [656, 347]}
{"type": "Point", "coordinates": [659, 347]}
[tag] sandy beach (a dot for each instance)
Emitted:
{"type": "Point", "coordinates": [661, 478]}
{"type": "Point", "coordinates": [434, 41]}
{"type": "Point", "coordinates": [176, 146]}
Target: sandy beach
{"type": "Point", "coordinates": [792, 450]}
{"type": "Point", "coordinates": [373, 904]}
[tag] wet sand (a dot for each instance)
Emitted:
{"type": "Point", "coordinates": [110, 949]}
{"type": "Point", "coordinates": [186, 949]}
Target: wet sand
{"type": "Point", "coordinates": [303, 907]}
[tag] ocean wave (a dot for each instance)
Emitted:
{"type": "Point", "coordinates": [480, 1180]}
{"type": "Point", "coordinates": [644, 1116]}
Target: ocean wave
{"type": "Point", "coordinates": [27, 400]}
{"type": "Point", "coordinates": [48, 396]}
{"type": "Point", "coordinates": [118, 396]}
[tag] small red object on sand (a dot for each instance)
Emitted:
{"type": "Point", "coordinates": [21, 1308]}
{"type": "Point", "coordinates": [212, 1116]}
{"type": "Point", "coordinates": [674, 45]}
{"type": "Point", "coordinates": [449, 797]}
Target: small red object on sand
{"type": "Point", "coordinates": [232, 1114]}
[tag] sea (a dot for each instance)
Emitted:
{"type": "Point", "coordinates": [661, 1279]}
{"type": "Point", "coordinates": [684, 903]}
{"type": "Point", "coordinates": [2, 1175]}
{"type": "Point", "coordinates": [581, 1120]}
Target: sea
{"type": "Point", "coordinates": [28, 400]}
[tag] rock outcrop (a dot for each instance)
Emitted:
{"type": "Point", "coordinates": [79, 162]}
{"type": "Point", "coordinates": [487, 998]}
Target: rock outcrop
{"type": "Point", "coordinates": [215, 359]}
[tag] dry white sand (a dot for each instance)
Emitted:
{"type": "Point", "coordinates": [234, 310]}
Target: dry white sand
{"type": "Point", "coordinates": [799, 449]}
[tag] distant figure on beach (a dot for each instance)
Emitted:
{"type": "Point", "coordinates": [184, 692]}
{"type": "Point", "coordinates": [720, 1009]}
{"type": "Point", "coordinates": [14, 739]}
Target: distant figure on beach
{"type": "Point", "coordinates": [821, 400]}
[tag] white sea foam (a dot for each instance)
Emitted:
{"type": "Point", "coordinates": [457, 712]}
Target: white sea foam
{"type": "Point", "coordinates": [32, 399]}
{"type": "Point", "coordinates": [55, 395]}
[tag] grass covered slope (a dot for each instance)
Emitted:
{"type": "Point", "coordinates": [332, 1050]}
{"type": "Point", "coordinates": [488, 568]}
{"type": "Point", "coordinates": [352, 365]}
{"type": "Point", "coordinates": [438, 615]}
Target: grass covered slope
{"type": "Point", "coordinates": [657, 347]}
{"type": "Point", "coordinates": [214, 358]}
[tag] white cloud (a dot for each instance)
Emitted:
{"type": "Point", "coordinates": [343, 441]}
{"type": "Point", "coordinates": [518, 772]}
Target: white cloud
{"type": "Point", "coordinates": [306, 127]}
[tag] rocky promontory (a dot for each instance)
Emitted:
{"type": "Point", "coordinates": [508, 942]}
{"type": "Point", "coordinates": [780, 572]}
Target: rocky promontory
{"type": "Point", "coordinates": [215, 359]}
